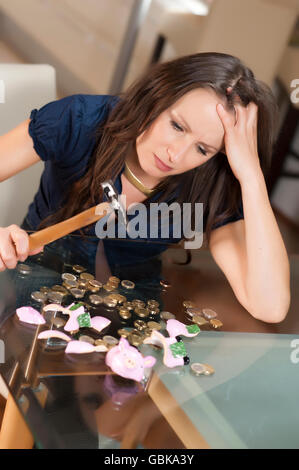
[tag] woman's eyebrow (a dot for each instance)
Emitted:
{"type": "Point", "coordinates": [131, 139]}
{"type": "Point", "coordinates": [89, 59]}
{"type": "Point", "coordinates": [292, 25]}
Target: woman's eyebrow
{"type": "Point", "coordinates": [189, 128]}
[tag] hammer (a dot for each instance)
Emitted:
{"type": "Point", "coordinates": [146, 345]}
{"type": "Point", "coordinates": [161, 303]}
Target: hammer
{"type": "Point", "coordinates": [89, 216]}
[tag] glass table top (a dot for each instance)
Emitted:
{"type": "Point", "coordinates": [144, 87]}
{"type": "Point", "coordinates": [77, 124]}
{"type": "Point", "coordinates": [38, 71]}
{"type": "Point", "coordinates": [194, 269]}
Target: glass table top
{"type": "Point", "coordinates": [76, 401]}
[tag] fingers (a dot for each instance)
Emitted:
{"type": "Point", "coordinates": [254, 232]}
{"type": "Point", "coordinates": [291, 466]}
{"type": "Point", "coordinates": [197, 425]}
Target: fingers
{"type": "Point", "coordinates": [244, 116]}
{"type": "Point", "coordinates": [14, 246]}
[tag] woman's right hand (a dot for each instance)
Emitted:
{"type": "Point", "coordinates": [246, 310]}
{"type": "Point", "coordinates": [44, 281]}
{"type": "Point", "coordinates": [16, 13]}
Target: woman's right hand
{"type": "Point", "coordinates": [14, 246]}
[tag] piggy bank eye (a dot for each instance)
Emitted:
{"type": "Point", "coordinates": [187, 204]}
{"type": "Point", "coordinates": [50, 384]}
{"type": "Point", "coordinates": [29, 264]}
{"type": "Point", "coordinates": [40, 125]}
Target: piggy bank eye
{"type": "Point", "coordinates": [129, 363]}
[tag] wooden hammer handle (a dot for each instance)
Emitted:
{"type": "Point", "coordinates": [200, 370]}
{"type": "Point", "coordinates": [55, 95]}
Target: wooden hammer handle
{"type": "Point", "coordinates": [50, 234]}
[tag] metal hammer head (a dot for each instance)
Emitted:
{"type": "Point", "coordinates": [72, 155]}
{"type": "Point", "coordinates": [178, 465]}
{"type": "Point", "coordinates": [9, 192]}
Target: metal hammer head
{"type": "Point", "coordinates": [114, 200]}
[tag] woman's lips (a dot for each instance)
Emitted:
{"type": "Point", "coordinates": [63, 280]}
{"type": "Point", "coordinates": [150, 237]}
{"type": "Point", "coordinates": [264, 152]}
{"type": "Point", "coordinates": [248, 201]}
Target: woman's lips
{"type": "Point", "coordinates": [161, 165]}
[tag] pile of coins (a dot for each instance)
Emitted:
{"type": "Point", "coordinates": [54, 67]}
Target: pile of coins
{"type": "Point", "coordinates": [201, 317]}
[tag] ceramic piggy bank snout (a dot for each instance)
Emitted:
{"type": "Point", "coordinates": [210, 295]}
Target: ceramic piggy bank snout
{"type": "Point", "coordinates": [126, 361]}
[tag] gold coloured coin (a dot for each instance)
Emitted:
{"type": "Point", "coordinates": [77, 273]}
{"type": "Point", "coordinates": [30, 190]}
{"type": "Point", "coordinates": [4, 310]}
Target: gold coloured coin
{"type": "Point", "coordinates": [95, 299]}
{"type": "Point", "coordinates": [99, 342]}
{"type": "Point", "coordinates": [120, 298]}
{"type": "Point", "coordinates": [208, 313]}
{"type": "Point", "coordinates": [55, 297]}
{"type": "Point", "coordinates": [152, 303]}
{"type": "Point", "coordinates": [108, 287]}
{"type": "Point", "coordinates": [87, 339]}
{"type": "Point", "coordinates": [111, 303]}
{"type": "Point", "coordinates": [123, 333]}
{"type": "Point", "coordinates": [114, 279]}
{"type": "Point", "coordinates": [45, 290]}
{"type": "Point", "coordinates": [83, 284]}
{"type": "Point", "coordinates": [68, 277]}
{"type": "Point", "coordinates": [215, 323]}
{"type": "Point", "coordinates": [188, 304]}
{"type": "Point", "coordinates": [128, 305]}
{"type": "Point", "coordinates": [141, 312]}
{"type": "Point", "coordinates": [153, 325]}
{"type": "Point", "coordinates": [39, 296]}
{"type": "Point", "coordinates": [135, 340]}
{"type": "Point", "coordinates": [94, 283]}
{"type": "Point", "coordinates": [60, 289]}
{"type": "Point", "coordinates": [209, 370]}
{"type": "Point", "coordinates": [128, 284]}
{"type": "Point", "coordinates": [153, 310]}
{"type": "Point", "coordinates": [138, 303]}
{"type": "Point", "coordinates": [78, 269]}
{"type": "Point", "coordinates": [200, 321]}
{"type": "Point", "coordinates": [86, 276]}
{"type": "Point", "coordinates": [140, 325]}
{"type": "Point", "coordinates": [147, 332]}
{"type": "Point", "coordinates": [193, 311]}
{"type": "Point", "coordinates": [124, 313]}
{"type": "Point", "coordinates": [165, 283]}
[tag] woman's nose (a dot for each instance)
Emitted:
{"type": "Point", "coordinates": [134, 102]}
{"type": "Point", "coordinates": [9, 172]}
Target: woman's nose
{"type": "Point", "coordinates": [175, 152]}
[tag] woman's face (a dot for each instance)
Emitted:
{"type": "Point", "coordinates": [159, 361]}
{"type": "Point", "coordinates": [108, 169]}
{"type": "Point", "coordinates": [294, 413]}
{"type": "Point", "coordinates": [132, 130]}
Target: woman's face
{"type": "Point", "coordinates": [183, 137]}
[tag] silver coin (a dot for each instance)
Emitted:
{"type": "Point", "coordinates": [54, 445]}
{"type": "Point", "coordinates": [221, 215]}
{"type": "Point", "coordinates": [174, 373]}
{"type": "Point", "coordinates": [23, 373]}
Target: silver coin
{"type": "Point", "coordinates": [24, 268]}
{"type": "Point", "coordinates": [193, 311]}
{"type": "Point", "coordinates": [77, 293]}
{"type": "Point", "coordinates": [70, 284]}
{"type": "Point", "coordinates": [208, 313]}
{"type": "Point", "coordinates": [38, 296]}
{"type": "Point", "coordinates": [55, 297]}
{"type": "Point", "coordinates": [87, 339]}
{"type": "Point", "coordinates": [110, 340]}
{"type": "Point", "coordinates": [197, 368]}
{"type": "Point", "coordinates": [167, 315]}
{"type": "Point", "coordinates": [68, 277]}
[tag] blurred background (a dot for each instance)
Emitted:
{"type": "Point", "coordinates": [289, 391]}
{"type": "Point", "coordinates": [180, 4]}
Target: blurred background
{"type": "Point", "coordinates": [101, 46]}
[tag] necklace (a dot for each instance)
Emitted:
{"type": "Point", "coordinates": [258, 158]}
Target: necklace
{"type": "Point", "coordinates": [136, 182]}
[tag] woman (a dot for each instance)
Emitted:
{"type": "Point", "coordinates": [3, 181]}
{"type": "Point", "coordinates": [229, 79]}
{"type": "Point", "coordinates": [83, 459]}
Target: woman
{"type": "Point", "coordinates": [200, 128]}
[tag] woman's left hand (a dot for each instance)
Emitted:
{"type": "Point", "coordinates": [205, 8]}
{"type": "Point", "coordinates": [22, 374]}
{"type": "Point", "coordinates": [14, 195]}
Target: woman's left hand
{"type": "Point", "coordinates": [240, 139]}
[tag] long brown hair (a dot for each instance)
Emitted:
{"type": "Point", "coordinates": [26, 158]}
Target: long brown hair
{"type": "Point", "coordinates": [213, 183]}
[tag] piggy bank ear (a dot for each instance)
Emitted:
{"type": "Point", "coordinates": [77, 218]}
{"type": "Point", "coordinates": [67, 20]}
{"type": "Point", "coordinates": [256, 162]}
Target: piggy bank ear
{"type": "Point", "coordinates": [123, 343]}
{"type": "Point", "coordinates": [149, 361]}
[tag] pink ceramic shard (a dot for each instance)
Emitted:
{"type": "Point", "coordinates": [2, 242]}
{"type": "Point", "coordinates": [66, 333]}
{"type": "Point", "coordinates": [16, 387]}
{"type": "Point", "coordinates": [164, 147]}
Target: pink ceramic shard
{"type": "Point", "coordinates": [53, 334]}
{"type": "Point", "coordinates": [30, 315]}
{"type": "Point", "coordinates": [127, 361]}
{"type": "Point", "coordinates": [99, 323]}
{"type": "Point", "coordinates": [79, 347]}
{"type": "Point", "coordinates": [176, 328]}
{"type": "Point", "coordinates": [158, 339]}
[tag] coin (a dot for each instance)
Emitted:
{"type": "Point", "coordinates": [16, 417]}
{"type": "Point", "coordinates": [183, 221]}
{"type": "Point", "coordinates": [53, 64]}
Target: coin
{"type": "Point", "coordinates": [58, 322]}
{"type": "Point", "coordinates": [114, 279]}
{"type": "Point", "coordinates": [123, 333]}
{"type": "Point", "coordinates": [45, 290]}
{"type": "Point", "coordinates": [128, 284]}
{"type": "Point", "coordinates": [147, 332]}
{"type": "Point", "coordinates": [110, 340]}
{"type": "Point", "coordinates": [124, 313]}
{"type": "Point", "coordinates": [108, 287]}
{"type": "Point", "coordinates": [128, 305]}
{"type": "Point", "coordinates": [140, 325]}
{"type": "Point", "coordinates": [193, 311]}
{"type": "Point", "coordinates": [68, 277]}
{"type": "Point", "coordinates": [135, 340]}
{"type": "Point", "coordinates": [99, 342]}
{"type": "Point", "coordinates": [153, 325]}
{"type": "Point", "coordinates": [24, 268]}
{"type": "Point", "coordinates": [141, 312]}
{"type": "Point", "coordinates": [153, 310]}
{"type": "Point", "coordinates": [215, 323]}
{"type": "Point", "coordinates": [87, 339]}
{"type": "Point", "coordinates": [138, 303]}
{"type": "Point", "coordinates": [208, 313]}
{"type": "Point", "coordinates": [60, 289]}
{"type": "Point", "coordinates": [209, 370]}
{"type": "Point", "coordinates": [111, 303]}
{"type": "Point", "coordinates": [120, 298]}
{"type": "Point", "coordinates": [55, 297]}
{"type": "Point", "coordinates": [95, 299]}
{"type": "Point", "coordinates": [38, 296]}
{"type": "Point", "coordinates": [189, 304]}
{"type": "Point", "coordinates": [197, 368]}
{"type": "Point", "coordinates": [167, 315]}
{"type": "Point", "coordinates": [165, 283]}
{"type": "Point", "coordinates": [200, 321]}
{"type": "Point", "coordinates": [83, 284]}
{"type": "Point", "coordinates": [70, 284]}
{"type": "Point", "coordinates": [94, 283]}
{"type": "Point", "coordinates": [86, 276]}
{"type": "Point", "coordinates": [78, 269]}
{"type": "Point", "coordinates": [77, 293]}
{"type": "Point", "coordinates": [152, 303]}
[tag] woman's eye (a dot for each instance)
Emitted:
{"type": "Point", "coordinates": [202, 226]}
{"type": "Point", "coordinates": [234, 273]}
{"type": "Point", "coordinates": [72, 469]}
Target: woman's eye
{"type": "Point", "coordinates": [176, 126]}
{"type": "Point", "coordinates": [201, 150]}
